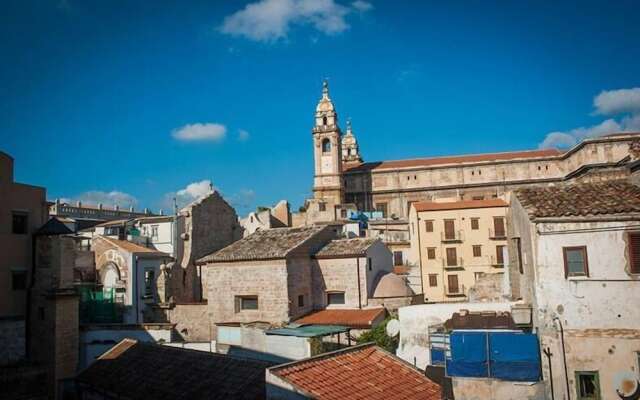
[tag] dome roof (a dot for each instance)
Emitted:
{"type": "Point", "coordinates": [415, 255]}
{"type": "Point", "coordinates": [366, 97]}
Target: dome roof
{"type": "Point", "coordinates": [392, 285]}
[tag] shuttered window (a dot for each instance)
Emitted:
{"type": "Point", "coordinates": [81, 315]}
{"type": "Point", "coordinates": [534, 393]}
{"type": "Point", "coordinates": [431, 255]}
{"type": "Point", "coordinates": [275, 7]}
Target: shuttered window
{"type": "Point", "coordinates": [449, 229]}
{"type": "Point", "coordinates": [634, 252]}
{"type": "Point", "coordinates": [428, 226]}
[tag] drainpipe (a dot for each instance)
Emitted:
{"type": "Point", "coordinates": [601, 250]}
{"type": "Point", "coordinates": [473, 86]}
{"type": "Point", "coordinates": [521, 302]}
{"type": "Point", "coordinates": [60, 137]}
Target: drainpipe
{"type": "Point", "coordinates": [420, 259]}
{"type": "Point", "coordinates": [359, 290]}
{"type": "Point", "coordinates": [32, 281]}
{"type": "Point", "coordinates": [564, 357]}
{"type": "Point", "coordinates": [547, 352]}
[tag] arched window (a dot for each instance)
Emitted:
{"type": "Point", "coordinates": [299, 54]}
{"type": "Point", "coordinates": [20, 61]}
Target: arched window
{"type": "Point", "coordinates": [326, 146]}
{"type": "Point", "coordinates": [324, 120]}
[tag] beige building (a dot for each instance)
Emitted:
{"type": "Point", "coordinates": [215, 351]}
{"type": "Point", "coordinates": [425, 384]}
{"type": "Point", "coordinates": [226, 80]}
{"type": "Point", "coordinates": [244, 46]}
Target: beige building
{"type": "Point", "coordinates": [282, 274]}
{"type": "Point", "coordinates": [23, 209]}
{"type": "Point", "coordinates": [456, 243]}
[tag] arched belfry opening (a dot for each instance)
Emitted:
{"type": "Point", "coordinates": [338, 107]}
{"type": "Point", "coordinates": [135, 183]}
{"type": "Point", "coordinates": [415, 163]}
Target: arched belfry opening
{"type": "Point", "coordinates": [326, 146]}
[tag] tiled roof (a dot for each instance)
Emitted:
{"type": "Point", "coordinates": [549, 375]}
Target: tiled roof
{"type": "Point", "coordinates": [581, 200]}
{"type": "Point", "coordinates": [354, 318]}
{"type": "Point", "coordinates": [458, 205]}
{"type": "Point", "coordinates": [266, 244]}
{"type": "Point", "coordinates": [131, 247]}
{"type": "Point", "coordinates": [359, 372]}
{"type": "Point", "coordinates": [137, 370]}
{"type": "Point", "coordinates": [480, 320]}
{"type": "Point", "coordinates": [345, 247]}
{"type": "Point", "coordinates": [434, 161]}
{"type": "Point", "coordinates": [115, 222]}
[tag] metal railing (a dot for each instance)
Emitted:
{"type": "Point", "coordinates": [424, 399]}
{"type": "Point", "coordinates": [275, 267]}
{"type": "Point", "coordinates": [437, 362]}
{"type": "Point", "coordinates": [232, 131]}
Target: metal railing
{"type": "Point", "coordinates": [500, 234]}
{"type": "Point", "coordinates": [495, 262]}
{"type": "Point", "coordinates": [455, 263]}
{"type": "Point", "coordinates": [455, 236]}
{"type": "Point", "coordinates": [455, 291]}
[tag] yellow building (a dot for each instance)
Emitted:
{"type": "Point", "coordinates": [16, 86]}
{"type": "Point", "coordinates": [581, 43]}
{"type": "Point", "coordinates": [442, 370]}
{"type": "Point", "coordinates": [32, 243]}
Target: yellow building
{"type": "Point", "coordinates": [454, 243]}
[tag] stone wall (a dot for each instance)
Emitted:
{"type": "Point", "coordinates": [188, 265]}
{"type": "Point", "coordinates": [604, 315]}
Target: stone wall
{"type": "Point", "coordinates": [12, 340]}
{"type": "Point", "coordinates": [191, 322]}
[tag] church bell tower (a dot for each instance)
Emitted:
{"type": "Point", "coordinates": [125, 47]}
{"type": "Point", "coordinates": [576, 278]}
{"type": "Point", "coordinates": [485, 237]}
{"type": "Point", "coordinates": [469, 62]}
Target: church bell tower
{"type": "Point", "coordinates": [327, 151]}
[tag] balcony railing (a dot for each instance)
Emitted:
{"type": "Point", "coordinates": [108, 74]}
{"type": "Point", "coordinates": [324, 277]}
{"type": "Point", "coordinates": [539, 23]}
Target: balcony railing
{"type": "Point", "coordinates": [495, 262]}
{"type": "Point", "coordinates": [457, 262]}
{"type": "Point", "coordinates": [499, 234]}
{"type": "Point", "coordinates": [450, 237]}
{"type": "Point", "coordinates": [457, 291]}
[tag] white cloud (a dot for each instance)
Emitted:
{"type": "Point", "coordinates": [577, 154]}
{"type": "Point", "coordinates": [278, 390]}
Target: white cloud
{"type": "Point", "coordinates": [612, 102]}
{"type": "Point", "coordinates": [624, 103]}
{"type": "Point", "coordinates": [112, 198]}
{"type": "Point", "coordinates": [190, 193]}
{"type": "Point", "coordinates": [270, 20]}
{"type": "Point", "coordinates": [194, 132]}
{"type": "Point", "coordinates": [243, 135]}
{"type": "Point", "coordinates": [362, 6]}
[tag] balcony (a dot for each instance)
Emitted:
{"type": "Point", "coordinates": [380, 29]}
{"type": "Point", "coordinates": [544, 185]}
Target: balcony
{"type": "Point", "coordinates": [499, 234]}
{"type": "Point", "coordinates": [497, 263]}
{"type": "Point", "coordinates": [455, 263]}
{"type": "Point", "coordinates": [452, 236]}
{"type": "Point", "coordinates": [455, 291]}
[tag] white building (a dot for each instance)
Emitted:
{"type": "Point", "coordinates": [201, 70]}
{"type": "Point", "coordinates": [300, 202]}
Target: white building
{"type": "Point", "coordinates": [575, 259]}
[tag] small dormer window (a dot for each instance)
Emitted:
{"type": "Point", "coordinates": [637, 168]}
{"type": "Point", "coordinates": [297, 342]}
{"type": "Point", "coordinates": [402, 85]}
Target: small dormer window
{"type": "Point", "coordinates": [324, 120]}
{"type": "Point", "coordinates": [326, 146]}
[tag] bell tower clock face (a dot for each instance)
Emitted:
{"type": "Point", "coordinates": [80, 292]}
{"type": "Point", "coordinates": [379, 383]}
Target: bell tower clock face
{"type": "Point", "coordinates": [326, 166]}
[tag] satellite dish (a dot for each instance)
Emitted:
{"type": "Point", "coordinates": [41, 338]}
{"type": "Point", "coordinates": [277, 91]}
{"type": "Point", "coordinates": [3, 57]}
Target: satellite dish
{"type": "Point", "coordinates": [393, 327]}
{"type": "Point", "coordinates": [627, 385]}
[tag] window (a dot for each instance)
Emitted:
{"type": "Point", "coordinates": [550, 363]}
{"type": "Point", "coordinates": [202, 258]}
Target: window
{"type": "Point", "coordinates": [428, 226]}
{"type": "Point", "coordinates": [149, 276]}
{"type": "Point", "coordinates": [301, 300]}
{"type": "Point", "coordinates": [452, 280]}
{"type": "Point", "coordinates": [369, 263]}
{"type": "Point", "coordinates": [20, 223]}
{"type": "Point", "coordinates": [322, 206]}
{"type": "Point", "coordinates": [477, 276]}
{"type": "Point", "coordinates": [452, 258]}
{"type": "Point", "coordinates": [18, 280]}
{"type": "Point", "coordinates": [500, 255]}
{"type": "Point", "coordinates": [431, 253]}
{"type": "Point", "coordinates": [477, 198]}
{"type": "Point", "coordinates": [475, 223]}
{"type": "Point", "coordinates": [326, 145]}
{"type": "Point", "coordinates": [335, 298]}
{"type": "Point", "coordinates": [154, 231]}
{"type": "Point", "coordinates": [575, 261]}
{"type": "Point", "coordinates": [449, 229]}
{"type": "Point", "coordinates": [433, 280]}
{"type": "Point", "coordinates": [634, 252]}
{"type": "Point", "coordinates": [588, 385]}
{"type": "Point", "coordinates": [498, 227]}
{"type": "Point", "coordinates": [397, 258]}
{"type": "Point", "coordinates": [343, 213]}
{"type": "Point", "coordinates": [382, 207]}
{"type": "Point", "coordinates": [477, 250]}
{"type": "Point", "coordinates": [246, 303]}
{"type": "Point", "coordinates": [324, 120]}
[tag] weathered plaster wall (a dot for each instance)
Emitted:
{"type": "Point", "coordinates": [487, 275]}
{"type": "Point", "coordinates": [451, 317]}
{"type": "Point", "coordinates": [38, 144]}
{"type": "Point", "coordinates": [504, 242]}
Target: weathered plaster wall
{"type": "Point", "coordinates": [12, 340]}
{"type": "Point", "coordinates": [482, 389]}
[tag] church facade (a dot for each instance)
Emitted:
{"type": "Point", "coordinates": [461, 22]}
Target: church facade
{"type": "Point", "coordinates": [343, 180]}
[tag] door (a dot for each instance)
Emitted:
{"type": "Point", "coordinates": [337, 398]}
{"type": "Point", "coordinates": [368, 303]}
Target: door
{"type": "Point", "coordinates": [452, 280]}
{"type": "Point", "coordinates": [498, 227]}
{"type": "Point", "coordinates": [452, 259]}
{"type": "Point", "coordinates": [449, 229]}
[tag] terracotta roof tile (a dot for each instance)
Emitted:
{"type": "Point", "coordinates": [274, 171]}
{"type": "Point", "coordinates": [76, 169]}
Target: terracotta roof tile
{"type": "Point", "coordinates": [358, 372]}
{"type": "Point", "coordinates": [434, 161]}
{"type": "Point", "coordinates": [137, 370]}
{"type": "Point", "coordinates": [458, 205]}
{"type": "Point", "coordinates": [346, 247]}
{"type": "Point", "coordinates": [581, 200]}
{"type": "Point", "coordinates": [264, 245]}
{"type": "Point", "coordinates": [354, 318]}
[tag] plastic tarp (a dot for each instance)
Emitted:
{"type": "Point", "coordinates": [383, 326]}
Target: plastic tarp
{"type": "Point", "coordinates": [514, 357]}
{"type": "Point", "coordinates": [468, 354]}
{"type": "Point", "coordinates": [437, 356]}
{"type": "Point", "coordinates": [510, 356]}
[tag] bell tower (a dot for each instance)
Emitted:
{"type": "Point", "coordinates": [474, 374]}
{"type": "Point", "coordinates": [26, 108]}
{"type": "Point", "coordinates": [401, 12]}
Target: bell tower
{"type": "Point", "coordinates": [327, 152]}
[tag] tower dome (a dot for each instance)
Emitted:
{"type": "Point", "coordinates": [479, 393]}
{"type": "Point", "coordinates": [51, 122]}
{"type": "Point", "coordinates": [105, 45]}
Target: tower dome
{"type": "Point", "coordinates": [325, 104]}
{"type": "Point", "coordinates": [350, 150]}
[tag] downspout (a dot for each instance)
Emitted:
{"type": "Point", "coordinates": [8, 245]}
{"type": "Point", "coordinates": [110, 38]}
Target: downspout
{"type": "Point", "coordinates": [547, 352]}
{"type": "Point", "coordinates": [420, 259]}
{"type": "Point", "coordinates": [564, 357]}
{"type": "Point", "coordinates": [135, 287]}
{"type": "Point", "coordinates": [359, 290]}
{"type": "Point", "coordinates": [32, 281]}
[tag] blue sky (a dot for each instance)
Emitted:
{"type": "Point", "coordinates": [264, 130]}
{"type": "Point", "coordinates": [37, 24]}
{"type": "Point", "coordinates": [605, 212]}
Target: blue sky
{"type": "Point", "coordinates": [135, 101]}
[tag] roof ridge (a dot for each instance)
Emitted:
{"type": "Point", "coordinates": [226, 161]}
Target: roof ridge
{"type": "Point", "coordinates": [329, 354]}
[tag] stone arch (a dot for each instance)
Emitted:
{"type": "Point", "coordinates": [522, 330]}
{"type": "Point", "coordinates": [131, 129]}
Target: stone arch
{"type": "Point", "coordinates": [110, 275]}
{"type": "Point", "coordinates": [326, 145]}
